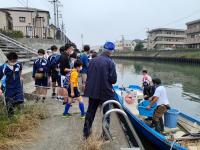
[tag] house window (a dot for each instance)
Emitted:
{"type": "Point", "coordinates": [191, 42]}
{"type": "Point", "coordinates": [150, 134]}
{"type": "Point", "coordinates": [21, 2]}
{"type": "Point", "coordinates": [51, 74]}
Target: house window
{"type": "Point", "coordinates": [22, 19]}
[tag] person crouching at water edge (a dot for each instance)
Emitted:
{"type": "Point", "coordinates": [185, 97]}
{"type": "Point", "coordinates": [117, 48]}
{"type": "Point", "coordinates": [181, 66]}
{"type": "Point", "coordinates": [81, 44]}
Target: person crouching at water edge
{"type": "Point", "coordinates": [10, 75]}
{"type": "Point", "coordinates": [160, 96]}
{"type": "Point", "coordinates": [40, 74]}
{"type": "Point", "coordinates": [73, 90]}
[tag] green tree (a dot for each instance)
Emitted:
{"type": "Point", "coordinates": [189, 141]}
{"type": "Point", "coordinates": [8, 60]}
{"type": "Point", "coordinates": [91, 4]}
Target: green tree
{"type": "Point", "coordinates": [139, 46]}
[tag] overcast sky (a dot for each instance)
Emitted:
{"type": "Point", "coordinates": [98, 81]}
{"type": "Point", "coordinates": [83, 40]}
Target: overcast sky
{"type": "Point", "coordinates": [102, 20]}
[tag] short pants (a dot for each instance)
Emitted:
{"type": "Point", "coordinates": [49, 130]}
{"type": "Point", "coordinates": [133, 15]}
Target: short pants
{"type": "Point", "coordinates": [42, 82]}
{"type": "Point", "coordinates": [14, 96]}
{"type": "Point", "coordinates": [55, 77]}
{"type": "Point", "coordinates": [76, 92]}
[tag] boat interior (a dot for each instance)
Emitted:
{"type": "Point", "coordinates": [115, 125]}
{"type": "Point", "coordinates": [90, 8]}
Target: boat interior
{"type": "Point", "coordinates": [187, 132]}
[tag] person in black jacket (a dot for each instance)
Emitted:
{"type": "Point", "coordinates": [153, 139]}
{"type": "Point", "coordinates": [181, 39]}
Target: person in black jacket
{"type": "Point", "coordinates": [101, 76]}
{"type": "Point", "coordinates": [65, 69]}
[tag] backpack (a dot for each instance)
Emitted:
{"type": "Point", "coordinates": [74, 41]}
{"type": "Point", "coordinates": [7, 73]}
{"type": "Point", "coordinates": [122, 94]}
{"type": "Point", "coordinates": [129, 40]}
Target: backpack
{"type": "Point", "coordinates": [3, 80]}
{"type": "Point", "coordinates": [54, 61]}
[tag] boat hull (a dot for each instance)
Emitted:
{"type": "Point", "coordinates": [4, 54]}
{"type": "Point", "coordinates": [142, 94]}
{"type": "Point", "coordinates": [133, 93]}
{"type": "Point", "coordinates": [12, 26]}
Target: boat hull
{"type": "Point", "coordinates": [151, 139]}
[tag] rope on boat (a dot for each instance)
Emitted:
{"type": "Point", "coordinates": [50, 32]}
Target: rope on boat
{"type": "Point", "coordinates": [172, 145]}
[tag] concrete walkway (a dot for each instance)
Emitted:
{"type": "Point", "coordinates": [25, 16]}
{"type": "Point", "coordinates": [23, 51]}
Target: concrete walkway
{"type": "Point", "coordinates": [57, 133]}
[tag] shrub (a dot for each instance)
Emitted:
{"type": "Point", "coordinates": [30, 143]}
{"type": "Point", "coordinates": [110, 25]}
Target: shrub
{"type": "Point", "coordinates": [139, 46]}
{"type": "Point", "coordinates": [12, 33]}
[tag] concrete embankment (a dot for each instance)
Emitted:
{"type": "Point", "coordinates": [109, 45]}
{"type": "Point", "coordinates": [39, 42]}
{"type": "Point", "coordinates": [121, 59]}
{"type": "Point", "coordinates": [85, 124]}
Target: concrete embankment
{"type": "Point", "coordinates": [183, 56]}
{"type": "Point", "coordinates": [40, 43]}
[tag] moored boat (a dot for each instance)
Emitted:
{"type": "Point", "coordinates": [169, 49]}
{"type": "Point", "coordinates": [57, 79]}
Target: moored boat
{"type": "Point", "coordinates": [185, 136]}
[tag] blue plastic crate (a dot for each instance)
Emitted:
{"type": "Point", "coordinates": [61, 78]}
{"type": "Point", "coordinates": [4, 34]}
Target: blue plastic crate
{"type": "Point", "coordinates": [146, 112]}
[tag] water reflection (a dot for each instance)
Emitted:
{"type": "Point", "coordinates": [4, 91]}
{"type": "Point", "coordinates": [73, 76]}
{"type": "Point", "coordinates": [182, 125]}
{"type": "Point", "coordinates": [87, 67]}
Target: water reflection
{"type": "Point", "coordinates": [182, 81]}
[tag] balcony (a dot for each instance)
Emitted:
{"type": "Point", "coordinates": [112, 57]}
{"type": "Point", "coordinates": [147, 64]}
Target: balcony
{"type": "Point", "coordinates": [168, 36]}
{"type": "Point", "coordinates": [193, 40]}
{"type": "Point", "coordinates": [193, 30]}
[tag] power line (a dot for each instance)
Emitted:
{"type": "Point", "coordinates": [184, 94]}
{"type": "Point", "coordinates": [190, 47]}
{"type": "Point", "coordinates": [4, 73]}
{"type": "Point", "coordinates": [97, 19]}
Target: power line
{"type": "Point", "coordinates": [21, 2]}
{"type": "Point", "coordinates": [180, 19]}
{"type": "Point", "coordinates": [25, 2]}
{"type": "Point", "coordinates": [170, 23]}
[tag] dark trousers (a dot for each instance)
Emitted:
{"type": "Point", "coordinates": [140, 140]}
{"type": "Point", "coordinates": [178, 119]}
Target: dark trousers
{"type": "Point", "coordinates": [10, 105]}
{"type": "Point", "coordinates": [157, 118]}
{"type": "Point", "coordinates": [90, 115]}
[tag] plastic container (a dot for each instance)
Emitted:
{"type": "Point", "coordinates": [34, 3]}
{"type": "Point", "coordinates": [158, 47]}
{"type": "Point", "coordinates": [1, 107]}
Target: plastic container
{"type": "Point", "coordinates": [171, 117]}
{"type": "Point", "coordinates": [135, 87]}
{"type": "Point", "coordinates": [146, 112]}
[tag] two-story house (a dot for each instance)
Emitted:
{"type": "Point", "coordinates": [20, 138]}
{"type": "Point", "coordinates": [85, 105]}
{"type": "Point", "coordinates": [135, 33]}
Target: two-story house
{"type": "Point", "coordinates": [31, 21]}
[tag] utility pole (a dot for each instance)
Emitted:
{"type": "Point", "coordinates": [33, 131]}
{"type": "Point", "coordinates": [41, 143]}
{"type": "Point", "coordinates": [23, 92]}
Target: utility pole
{"type": "Point", "coordinates": [148, 40]}
{"type": "Point", "coordinates": [58, 12]}
{"type": "Point", "coordinates": [27, 3]}
{"type": "Point", "coordinates": [82, 40]}
{"type": "Point", "coordinates": [54, 2]}
{"type": "Point", "coordinates": [123, 46]}
{"type": "Point", "coordinates": [57, 7]}
{"type": "Point", "coordinates": [62, 32]}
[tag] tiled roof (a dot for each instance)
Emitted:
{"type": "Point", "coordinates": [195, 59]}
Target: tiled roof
{"type": "Point", "coordinates": [25, 9]}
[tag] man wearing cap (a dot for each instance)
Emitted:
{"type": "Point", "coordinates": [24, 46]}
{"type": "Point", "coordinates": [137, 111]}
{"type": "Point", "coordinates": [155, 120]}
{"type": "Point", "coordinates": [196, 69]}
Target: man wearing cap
{"type": "Point", "coordinates": [101, 76]}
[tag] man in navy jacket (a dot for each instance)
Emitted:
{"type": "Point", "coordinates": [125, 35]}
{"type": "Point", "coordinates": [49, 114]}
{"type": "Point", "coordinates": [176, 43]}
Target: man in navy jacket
{"type": "Point", "coordinates": [101, 76]}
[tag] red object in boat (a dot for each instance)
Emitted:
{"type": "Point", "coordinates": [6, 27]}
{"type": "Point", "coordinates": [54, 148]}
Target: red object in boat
{"type": "Point", "coordinates": [129, 99]}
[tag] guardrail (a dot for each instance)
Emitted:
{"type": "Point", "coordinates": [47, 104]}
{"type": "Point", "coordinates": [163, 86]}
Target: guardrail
{"type": "Point", "coordinates": [121, 112]}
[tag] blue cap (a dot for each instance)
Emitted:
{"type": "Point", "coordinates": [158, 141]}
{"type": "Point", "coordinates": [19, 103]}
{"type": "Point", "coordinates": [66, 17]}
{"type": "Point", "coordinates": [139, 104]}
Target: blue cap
{"type": "Point", "coordinates": [109, 46]}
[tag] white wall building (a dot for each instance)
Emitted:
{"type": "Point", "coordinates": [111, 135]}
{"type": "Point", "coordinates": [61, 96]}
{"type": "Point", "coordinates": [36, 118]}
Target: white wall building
{"type": "Point", "coordinates": [31, 21]}
{"type": "Point", "coordinates": [125, 45]}
{"type": "Point", "coordinates": [166, 38]}
{"type": "Point", "coordinates": [193, 34]}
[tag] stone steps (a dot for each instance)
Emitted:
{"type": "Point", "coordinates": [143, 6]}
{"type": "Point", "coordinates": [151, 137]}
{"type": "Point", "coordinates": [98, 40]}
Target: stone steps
{"type": "Point", "coordinates": [8, 44]}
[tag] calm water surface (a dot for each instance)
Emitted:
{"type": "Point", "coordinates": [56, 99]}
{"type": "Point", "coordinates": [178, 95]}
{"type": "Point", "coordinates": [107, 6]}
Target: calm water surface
{"type": "Point", "coordinates": [182, 81]}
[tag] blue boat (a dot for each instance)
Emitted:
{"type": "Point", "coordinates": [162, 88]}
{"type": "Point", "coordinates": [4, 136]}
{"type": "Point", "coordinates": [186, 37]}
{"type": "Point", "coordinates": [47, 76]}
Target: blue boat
{"type": "Point", "coordinates": [154, 140]}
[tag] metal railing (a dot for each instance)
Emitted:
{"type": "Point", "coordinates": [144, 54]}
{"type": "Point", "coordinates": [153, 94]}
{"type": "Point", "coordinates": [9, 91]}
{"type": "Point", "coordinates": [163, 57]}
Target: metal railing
{"type": "Point", "coordinates": [38, 32]}
{"type": "Point", "coordinates": [32, 31]}
{"type": "Point", "coordinates": [121, 112]}
{"type": "Point", "coordinates": [8, 39]}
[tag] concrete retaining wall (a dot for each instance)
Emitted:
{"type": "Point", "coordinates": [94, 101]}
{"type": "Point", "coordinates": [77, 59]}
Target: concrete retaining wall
{"type": "Point", "coordinates": [40, 43]}
{"type": "Point", "coordinates": [163, 53]}
{"type": "Point", "coordinates": [2, 57]}
{"type": "Point", "coordinates": [183, 56]}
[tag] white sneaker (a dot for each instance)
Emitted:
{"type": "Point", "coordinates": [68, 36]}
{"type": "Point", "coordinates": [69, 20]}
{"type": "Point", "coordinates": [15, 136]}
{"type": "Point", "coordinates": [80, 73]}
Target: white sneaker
{"type": "Point", "coordinates": [61, 100]}
{"type": "Point", "coordinates": [57, 98]}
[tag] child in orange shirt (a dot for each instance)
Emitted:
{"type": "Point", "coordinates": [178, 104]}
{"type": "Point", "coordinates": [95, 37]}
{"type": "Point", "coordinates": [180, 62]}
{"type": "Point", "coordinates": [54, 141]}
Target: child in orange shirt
{"type": "Point", "coordinates": [73, 90]}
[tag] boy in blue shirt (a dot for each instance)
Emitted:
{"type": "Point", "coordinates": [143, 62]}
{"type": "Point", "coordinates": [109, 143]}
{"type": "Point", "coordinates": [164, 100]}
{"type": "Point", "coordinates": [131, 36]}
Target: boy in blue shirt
{"type": "Point", "coordinates": [54, 70]}
{"type": "Point", "coordinates": [85, 60]}
{"type": "Point", "coordinates": [10, 73]}
{"type": "Point", "coordinates": [41, 74]}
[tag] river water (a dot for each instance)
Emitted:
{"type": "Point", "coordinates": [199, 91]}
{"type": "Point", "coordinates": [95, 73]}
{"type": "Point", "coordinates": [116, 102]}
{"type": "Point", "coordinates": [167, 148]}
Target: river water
{"type": "Point", "coordinates": [182, 81]}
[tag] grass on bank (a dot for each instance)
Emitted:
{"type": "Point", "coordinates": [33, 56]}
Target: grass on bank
{"type": "Point", "coordinates": [192, 55]}
{"type": "Point", "coordinates": [92, 143]}
{"type": "Point", "coordinates": [20, 128]}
